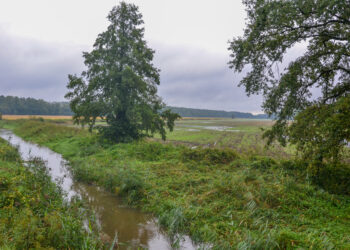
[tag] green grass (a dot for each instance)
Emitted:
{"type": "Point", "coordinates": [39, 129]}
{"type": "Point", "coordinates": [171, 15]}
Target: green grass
{"type": "Point", "coordinates": [33, 213]}
{"type": "Point", "coordinates": [216, 195]}
{"type": "Point", "coordinates": [242, 135]}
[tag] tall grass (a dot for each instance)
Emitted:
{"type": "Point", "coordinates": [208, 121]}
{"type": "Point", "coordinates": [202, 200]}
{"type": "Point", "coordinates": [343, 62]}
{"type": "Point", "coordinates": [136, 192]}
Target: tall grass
{"type": "Point", "coordinates": [230, 200]}
{"type": "Point", "coordinates": [33, 214]}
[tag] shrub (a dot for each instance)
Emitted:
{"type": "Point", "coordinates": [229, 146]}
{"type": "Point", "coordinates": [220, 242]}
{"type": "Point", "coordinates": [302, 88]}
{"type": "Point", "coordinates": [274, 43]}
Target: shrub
{"type": "Point", "coordinates": [263, 162]}
{"type": "Point", "coordinates": [130, 184]}
{"type": "Point", "coordinates": [209, 155]}
{"type": "Point", "coordinates": [335, 178]}
{"type": "Point", "coordinates": [151, 151]}
{"type": "Point", "coordinates": [294, 165]}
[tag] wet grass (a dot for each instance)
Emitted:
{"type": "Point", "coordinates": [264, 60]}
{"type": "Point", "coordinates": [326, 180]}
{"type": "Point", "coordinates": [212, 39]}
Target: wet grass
{"type": "Point", "coordinates": [229, 199]}
{"type": "Point", "coordinates": [242, 135]}
{"type": "Point", "coordinates": [33, 213]}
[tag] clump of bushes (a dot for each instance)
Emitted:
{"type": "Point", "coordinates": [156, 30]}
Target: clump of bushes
{"type": "Point", "coordinates": [150, 151]}
{"type": "Point", "coordinates": [262, 163]}
{"type": "Point", "coordinates": [335, 178]}
{"type": "Point", "coordinates": [332, 177]}
{"type": "Point", "coordinates": [129, 184]}
{"type": "Point", "coordinates": [209, 155]}
{"type": "Point", "coordinates": [36, 118]}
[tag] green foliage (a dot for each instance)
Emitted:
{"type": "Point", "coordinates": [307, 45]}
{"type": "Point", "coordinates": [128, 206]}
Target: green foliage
{"type": "Point", "coordinates": [120, 84]}
{"type": "Point", "coordinates": [273, 28]}
{"type": "Point", "coordinates": [47, 132]}
{"type": "Point", "coordinates": [33, 214]}
{"type": "Point", "coordinates": [335, 178]}
{"type": "Point", "coordinates": [8, 153]}
{"type": "Point", "coordinates": [130, 184]}
{"type": "Point", "coordinates": [249, 203]}
{"type": "Point", "coordinates": [263, 162]}
{"type": "Point", "coordinates": [209, 155]}
{"type": "Point", "coordinates": [322, 130]}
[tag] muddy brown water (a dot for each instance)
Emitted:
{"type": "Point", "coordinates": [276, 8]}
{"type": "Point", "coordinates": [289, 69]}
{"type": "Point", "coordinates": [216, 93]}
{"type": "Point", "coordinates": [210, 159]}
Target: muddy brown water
{"type": "Point", "coordinates": [134, 228]}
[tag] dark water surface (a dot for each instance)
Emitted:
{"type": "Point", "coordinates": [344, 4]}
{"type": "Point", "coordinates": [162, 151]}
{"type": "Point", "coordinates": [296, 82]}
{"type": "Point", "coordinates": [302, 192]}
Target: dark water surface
{"type": "Point", "coordinates": [132, 226]}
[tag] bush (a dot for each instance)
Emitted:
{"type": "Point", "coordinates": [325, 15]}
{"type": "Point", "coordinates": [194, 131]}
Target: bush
{"type": "Point", "coordinates": [35, 118]}
{"type": "Point", "coordinates": [151, 151]}
{"type": "Point", "coordinates": [209, 155]}
{"type": "Point", "coordinates": [335, 178]}
{"type": "Point", "coordinates": [263, 162]}
{"type": "Point", "coordinates": [292, 165]}
{"type": "Point", "coordinates": [129, 184]}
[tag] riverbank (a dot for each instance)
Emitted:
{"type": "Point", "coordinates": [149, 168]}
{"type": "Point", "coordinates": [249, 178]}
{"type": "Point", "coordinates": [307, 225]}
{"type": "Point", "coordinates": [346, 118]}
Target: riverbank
{"type": "Point", "coordinates": [214, 195]}
{"type": "Point", "coordinates": [33, 213]}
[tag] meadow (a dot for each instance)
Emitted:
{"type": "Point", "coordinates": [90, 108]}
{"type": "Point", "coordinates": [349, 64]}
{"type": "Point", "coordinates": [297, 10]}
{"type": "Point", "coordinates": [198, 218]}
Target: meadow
{"type": "Point", "coordinates": [242, 135]}
{"type": "Point", "coordinates": [229, 194]}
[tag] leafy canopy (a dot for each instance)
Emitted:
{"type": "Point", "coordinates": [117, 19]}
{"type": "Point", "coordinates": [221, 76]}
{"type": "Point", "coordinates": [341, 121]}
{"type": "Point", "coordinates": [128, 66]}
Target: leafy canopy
{"type": "Point", "coordinates": [321, 126]}
{"type": "Point", "coordinates": [120, 83]}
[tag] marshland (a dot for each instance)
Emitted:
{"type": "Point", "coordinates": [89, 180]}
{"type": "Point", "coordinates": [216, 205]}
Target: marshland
{"type": "Point", "coordinates": [121, 134]}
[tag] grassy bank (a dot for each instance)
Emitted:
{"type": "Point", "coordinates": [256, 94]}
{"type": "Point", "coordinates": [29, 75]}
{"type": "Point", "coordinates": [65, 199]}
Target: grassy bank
{"type": "Point", "coordinates": [229, 199]}
{"type": "Point", "coordinates": [33, 214]}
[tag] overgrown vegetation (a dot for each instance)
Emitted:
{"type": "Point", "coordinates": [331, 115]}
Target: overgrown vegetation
{"type": "Point", "coordinates": [217, 196]}
{"type": "Point", "coordinates": [33, 213]}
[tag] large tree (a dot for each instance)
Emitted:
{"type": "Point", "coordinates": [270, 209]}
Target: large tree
{"type": "Point", "coordinates": [120, 83]}
{"type": "Point", "coordinates": [321, 124]}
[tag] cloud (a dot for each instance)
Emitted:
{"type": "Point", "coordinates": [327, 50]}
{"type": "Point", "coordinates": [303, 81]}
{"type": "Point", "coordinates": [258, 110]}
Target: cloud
{"type": "Point", "coordinates": [30, 68]}
{"type": "Point", "coordinates": [190, 77]}
{"type": "Point", "coordinates": [196, 78]}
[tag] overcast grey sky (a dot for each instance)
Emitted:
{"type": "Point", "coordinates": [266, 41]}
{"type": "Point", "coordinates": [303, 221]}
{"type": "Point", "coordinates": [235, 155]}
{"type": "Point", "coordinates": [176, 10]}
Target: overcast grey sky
{"type": "Point", "coordinates": [42, 41]}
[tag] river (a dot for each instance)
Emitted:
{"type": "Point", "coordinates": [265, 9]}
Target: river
{"type": "Point", "coordinates": [133, 227]}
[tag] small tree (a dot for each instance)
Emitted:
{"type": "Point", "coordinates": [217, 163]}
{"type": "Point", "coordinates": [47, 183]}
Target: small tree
{"type": "Point", "coordinates": [120, 83]}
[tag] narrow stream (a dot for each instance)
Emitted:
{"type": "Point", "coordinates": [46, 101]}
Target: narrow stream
{"type": "Point", "coordinates": [133, 227]}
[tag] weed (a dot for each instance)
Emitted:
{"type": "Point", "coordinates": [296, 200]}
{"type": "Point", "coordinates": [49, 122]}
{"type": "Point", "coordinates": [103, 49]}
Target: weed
{"type": "Point", "coordinates": [209, 155]}
{"type": "Point", "coordinates": [33, 214]}
{"type": "Point", "coordinates": [213, 194]}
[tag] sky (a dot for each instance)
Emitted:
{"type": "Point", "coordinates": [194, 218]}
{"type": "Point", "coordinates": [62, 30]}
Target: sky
{"type": "Point", "coordinates": [42, 41]}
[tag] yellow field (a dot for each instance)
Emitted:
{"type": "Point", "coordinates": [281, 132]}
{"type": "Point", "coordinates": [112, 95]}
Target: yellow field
{"type": "Point", "coordinates": [48, 117]}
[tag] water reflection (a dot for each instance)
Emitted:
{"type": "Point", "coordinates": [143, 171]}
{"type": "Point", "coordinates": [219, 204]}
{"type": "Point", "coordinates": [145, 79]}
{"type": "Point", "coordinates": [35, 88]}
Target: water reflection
{"type": "Point", "coordinates": [133, 227]}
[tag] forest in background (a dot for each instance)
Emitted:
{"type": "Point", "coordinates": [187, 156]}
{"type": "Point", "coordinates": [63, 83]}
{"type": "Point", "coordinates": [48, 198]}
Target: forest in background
{"type": "Point", "coordinates": [12, 105]}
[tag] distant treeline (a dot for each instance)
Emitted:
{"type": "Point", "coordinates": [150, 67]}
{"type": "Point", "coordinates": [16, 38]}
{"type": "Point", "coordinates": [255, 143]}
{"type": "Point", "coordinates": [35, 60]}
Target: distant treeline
{"type": "Point", "coordinates": [11, 105]}
{"type": "Point", "coordinates": [189, 112]}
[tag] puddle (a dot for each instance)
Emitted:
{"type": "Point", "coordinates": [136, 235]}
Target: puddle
{"type": "Point", "coordinates": [216, 128]}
